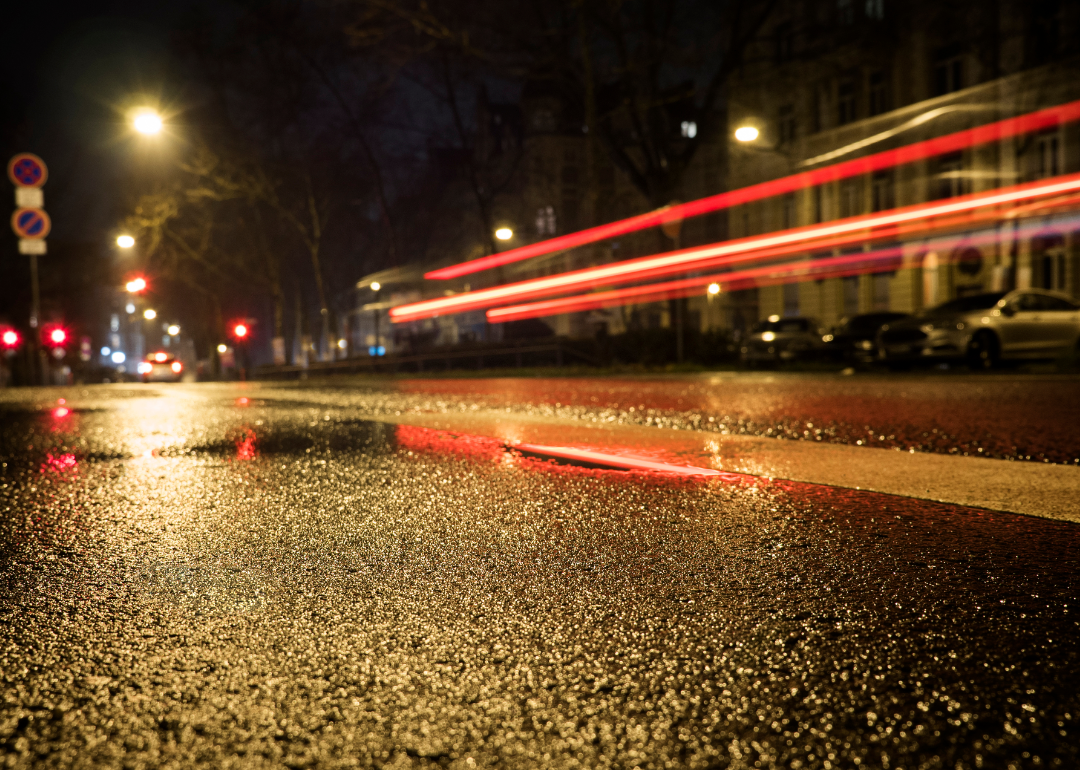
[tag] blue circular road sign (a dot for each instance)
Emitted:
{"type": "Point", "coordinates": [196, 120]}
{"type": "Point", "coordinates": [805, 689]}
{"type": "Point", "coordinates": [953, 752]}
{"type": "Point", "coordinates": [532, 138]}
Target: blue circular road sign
{"type": "Point", "coordinates": [33, 224]}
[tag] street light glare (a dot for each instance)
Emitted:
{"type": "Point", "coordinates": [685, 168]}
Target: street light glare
{"type": "Point", "coordinates": [240, 331]}
{"type": "Point", "coordinates": [149, 314]}
{"type": "Point", "coordinates": [135, 285]}
{"type": "Point", "coordinates": [148, 123]}
{"type": "Point", "coordinates": [125, 241]}
{"type": "Point", "coordinates": [221, 348]}
{"type": "Point", "coordinates": [504, 233]}
{"type": "Point", "coordinates": [173, 330]}
{"type": "Point", "coordinates": [714, 289]}
{"type": "Point", "coordinates": [375, 285]}
{"type": "Point", "coordinates": [746, 133]}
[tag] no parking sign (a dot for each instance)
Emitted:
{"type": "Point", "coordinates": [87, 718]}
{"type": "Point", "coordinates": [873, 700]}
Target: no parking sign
{"type": "Point", "coordinates": [32, 224]}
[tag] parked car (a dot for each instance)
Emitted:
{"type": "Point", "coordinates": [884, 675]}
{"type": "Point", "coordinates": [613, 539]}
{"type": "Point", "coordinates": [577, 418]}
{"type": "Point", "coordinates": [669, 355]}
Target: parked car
{"type": "Point", "coordinates": [854, 339]}
{"type": "Point", "coordinates": [985, 329]}
{"type": "Point", "coordinates": [777, 340]}
{"type": "Point", "coordinates": [161, 367]}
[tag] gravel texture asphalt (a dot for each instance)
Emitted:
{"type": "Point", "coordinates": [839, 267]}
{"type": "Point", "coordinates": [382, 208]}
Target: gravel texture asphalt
{"type": "Point", "coordinates": [1006, 416]}
{"type": "Point", "coordinates": [200, 576]}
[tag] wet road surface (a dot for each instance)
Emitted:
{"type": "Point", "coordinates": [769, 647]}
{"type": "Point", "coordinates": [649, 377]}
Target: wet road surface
{"type": "Point", "coordinates": [1007, 416]}
{"type": "Point", "coordinates": [197, 575]}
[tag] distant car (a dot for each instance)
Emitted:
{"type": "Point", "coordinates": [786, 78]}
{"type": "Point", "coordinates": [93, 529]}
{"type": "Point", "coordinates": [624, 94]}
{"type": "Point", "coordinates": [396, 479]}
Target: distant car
{"type": "Point", "coordinates": [778, 340]}
{"type": "Point", "coordinates": [985, 329]}
{"type": "Point", "coordinates": [161, 367]}
{"type": "Point", "coordinates": [854, 339]}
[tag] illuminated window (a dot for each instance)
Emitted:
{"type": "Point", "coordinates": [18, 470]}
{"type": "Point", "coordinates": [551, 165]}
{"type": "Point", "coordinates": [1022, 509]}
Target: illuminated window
{"type": "Point", "coordinates": [1047, 155]}
{"type": "Point", "coordinates": [951, 180]}
{"type": "Point", "coordinates": [850, 203]}
{"type": "Point", "coordinates": [545, 221]}
{"type": "Point", "coordinates": [881, 191]}
{"type": "Point", "coordinates": [688, 129]}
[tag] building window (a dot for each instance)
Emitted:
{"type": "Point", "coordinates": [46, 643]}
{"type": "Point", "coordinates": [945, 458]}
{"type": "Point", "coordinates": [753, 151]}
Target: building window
{"type": "Point", "coordinates": [545, 221]}
{"type": "Point", "coordinates": [819, 204]}
{"type": "Point", "coordinates": [786, 123]}
{"type": "Point", "coordinates": [850, 205]}
{"type": "Point", "coordinates": [543, 120]}
{"type": "Point", "coordinates": [845, 101]}
{"type": "Point", "coordinates": [879, 97]}
{"type": "Point", "coordinates": [950, 177]}
{"type": "Point", "coordinates": [1047, 155]}
{"type": "Point", "coordinates": [875, 9]}
{"type": "Point", "coordinates": [791, 299]}
{"type": "Point", "coordinates": [851, 295]}
{"type": "Point", "coordinates": [879, 285]}
{"type": "Point", "coordinates": [688, 129]}
{"type": "Point", "coordinates": [785, 42]}
{"type": "Point", "coordinates": [787, 204]}
{"type": "Point", "coordinates": [845, 11]}
{"type": "Point", "coordinates": [948, 71]}
{"type": "Point", "coordinates": [881, 191]}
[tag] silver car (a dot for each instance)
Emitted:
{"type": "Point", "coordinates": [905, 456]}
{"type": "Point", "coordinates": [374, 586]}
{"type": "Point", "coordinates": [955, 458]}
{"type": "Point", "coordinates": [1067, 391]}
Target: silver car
{"type": "Point", "coordinates": [985, 329]}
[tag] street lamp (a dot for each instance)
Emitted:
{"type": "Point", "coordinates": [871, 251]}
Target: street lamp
{"type": "Point", "coordinates": [714, 289]}
{"type": "Point", "coordinates": [135, 285]}
{"type": "Point", "coordinates": [504, 233]}
{"type": "Point", "coordinates": [222, 348]}
{"type": "Point", "coordinates": [147, 122]}
{"type": "Point", "coordinates": [375, 286]}
{"type": "Point", "coordinates": [149, 314]}
{"type": "Point", "coordinates": [125, 241]}
{"type": "Point", "coordinates": [241, 331]}
{"type": "Point", "coordinates": [746, 133]}
{"type": "Point", "coordinates": [173, 330]}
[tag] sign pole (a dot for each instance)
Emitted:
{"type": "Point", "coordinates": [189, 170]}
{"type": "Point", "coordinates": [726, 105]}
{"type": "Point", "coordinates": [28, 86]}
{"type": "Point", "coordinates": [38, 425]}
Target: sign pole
{"type": "Point", "coordinates": [29, 173]}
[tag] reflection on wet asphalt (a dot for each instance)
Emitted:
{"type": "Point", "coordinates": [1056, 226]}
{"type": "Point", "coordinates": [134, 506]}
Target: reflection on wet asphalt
{"type": "Point", "coordinates": [189, 579]}
{"type": "Point", "coordinates": [1017, 417]}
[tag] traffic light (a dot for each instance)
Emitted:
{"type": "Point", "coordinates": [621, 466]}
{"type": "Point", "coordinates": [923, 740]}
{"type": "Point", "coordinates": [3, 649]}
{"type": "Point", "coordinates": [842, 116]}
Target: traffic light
{"type": "Point", "coordinates": [10, 338]}
{"type": "Point", "coordinates": [240, 331]}
{"type": "Point", "coordinates": [135, 285]}
{"type": "Point", "coordinates": [54, 335]}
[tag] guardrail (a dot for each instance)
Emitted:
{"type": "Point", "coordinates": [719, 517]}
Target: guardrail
{"type": "Point", "coordinates": [516, 355]}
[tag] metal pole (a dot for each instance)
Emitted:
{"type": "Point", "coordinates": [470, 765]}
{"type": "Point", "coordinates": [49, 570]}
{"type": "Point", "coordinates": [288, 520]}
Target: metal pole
{"type": "Point", "coordinates": [39, 363]}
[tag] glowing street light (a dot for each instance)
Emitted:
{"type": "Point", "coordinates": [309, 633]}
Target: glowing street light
{"type": "Point", "coordinates": [58, 336]}
{"type": "Point", "coordinates": [714, 289]}
{"type": "Point", "coordinates": [173, 330]}
{"type": "Point", "coordinates": [147, 122]}
{"type": "Point", "coordinates": [149, 314]}
{"type": "Point", "coordinates": [504, 233]}
{"type": "Point", "coordinates": [222, 348]}
{"type": "Point", "coordinates": [125, 241]}
{"type": "Point", "coordinates": [240, 330]}
{"type": "Point", "coordinates": [746, 133]}
{"type": "Point", "coordinates": [135, 285]}
{"type": "Point", "coordinates": [375, 285]}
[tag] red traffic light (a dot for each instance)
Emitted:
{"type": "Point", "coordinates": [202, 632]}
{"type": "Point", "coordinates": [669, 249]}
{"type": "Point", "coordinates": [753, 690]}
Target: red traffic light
{"type": "Point", "coordinates": [240, 330]}
{"type": "Point", "coordinates": [135, 285]}
{"type": "Point", "coordinates": [56, 336]}
{"type": "Point", "coordinates": [9, 338]}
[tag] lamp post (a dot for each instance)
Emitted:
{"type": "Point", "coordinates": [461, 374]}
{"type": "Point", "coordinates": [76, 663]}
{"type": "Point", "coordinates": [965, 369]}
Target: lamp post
{"type": "Point", "coordinates": [375, 286]}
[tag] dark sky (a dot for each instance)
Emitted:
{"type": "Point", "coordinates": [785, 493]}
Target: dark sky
{"type": "Point", "coordinates": [68, 70]}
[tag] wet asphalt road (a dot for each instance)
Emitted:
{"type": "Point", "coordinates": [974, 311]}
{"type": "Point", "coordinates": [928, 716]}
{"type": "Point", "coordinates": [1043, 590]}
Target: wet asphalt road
{"type": "Point", "coordinates": [199, 576]}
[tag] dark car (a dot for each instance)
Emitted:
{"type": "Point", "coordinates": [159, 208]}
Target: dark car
{"type": "Point", "coordinates": [984, 329]}
{"type": "Point", "coordinates": [777, 340]}
{"type": "Point", "coordinates": [854, 339]}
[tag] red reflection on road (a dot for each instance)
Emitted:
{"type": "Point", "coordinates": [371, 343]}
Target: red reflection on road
{"type": "Point", "coordinates": [61, 412]}
{"type": "Point", "coordinates": [245, 445]}
{"type": "Point", "coordinates": [441, 442]}
{"type": "Point", "coordinates": [61, 463]}
{"type": "Point", "coordinates": [242, 401]}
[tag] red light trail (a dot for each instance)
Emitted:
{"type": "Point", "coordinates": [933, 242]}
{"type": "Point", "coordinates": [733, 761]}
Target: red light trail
{"type": "Point", "coordinates": [961, 140]}
{"type": "Point", "coordinates": [961, 211]}
{"type": "Point", "coordinates": [882, 260]}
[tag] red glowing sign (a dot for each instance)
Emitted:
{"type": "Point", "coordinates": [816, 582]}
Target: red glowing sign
{"type": "Point", "coordinates": [961, 140]}
{"type": "Point", "coordinates": [959, 211]}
